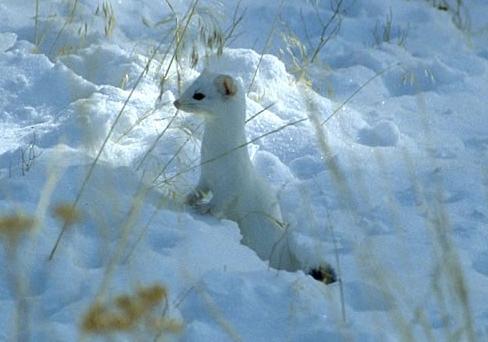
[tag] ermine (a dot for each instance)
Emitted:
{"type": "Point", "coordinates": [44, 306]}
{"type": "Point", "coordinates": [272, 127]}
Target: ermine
{"type": "Point", "coordinates": [238, 192]}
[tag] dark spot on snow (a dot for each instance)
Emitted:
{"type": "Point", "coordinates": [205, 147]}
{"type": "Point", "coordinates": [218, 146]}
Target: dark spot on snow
{"type": "Point", "coordinates": [324, 273]}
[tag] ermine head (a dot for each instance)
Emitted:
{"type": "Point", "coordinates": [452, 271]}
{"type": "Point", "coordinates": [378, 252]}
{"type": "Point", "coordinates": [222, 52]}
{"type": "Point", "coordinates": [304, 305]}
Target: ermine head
{"type": "Point", "coordinates": [212, 95]}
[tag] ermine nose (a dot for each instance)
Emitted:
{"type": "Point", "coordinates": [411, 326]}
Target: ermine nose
{"type": "Point", "coordinates": [176, 104]}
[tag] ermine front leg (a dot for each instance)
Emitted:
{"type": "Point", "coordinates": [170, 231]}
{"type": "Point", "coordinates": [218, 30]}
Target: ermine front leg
{"type": "Point", "coordinates": [195, 200]}
{"type": "Point", "coordinates": [197, 194]}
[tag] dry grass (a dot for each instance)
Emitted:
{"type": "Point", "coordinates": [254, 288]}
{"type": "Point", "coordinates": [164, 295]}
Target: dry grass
{"type": "Point", "coordinates": [386, 33]}
{"type": "Point", "coordinates": [126, 313]}
{"type": "Point", "coordinates": [303, 52]}
{"type": "Point", "coordinates": [457, 10]}
{"type": "Point", "coordinates": [67, 214]}
{"type": "Point", "coordinates": [15, 226]}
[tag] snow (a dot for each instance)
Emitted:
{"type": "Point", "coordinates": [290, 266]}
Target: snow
{"type": "Point", "coordinates": [397, 192]}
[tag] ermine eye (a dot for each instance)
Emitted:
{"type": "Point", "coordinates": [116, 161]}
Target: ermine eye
{"type": "Point", "coordinates": [198, 96]}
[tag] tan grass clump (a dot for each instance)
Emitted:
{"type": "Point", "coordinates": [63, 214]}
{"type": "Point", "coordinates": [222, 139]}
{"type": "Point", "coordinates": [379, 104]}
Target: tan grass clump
{"type": "Point", "coordinates": [127, 312]}
{"type": "Point", "coordinates": [15, 225]}
{"type": "Point", "coordinates": [67, 213]}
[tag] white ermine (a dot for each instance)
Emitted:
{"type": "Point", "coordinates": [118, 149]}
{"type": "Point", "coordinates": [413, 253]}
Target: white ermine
{"type": "Point", "coordinates": [238, 192]}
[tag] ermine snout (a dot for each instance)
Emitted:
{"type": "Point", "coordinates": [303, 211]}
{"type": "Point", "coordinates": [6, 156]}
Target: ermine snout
{"type": "Point", "coordinates": [177, 104]}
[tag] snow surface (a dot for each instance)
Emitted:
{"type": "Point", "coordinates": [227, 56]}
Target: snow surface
{"type": "Point", "coordinates": [403, 178]}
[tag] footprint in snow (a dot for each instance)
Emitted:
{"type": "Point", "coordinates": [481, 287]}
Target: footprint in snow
{"type": "Point", "coordinates": [480, 264]}
{"type": "Point", "coordinates": [383, 134]}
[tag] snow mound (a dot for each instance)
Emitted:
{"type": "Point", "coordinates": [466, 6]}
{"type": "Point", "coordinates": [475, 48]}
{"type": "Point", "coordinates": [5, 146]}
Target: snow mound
{"type": "Point", "coordinates": [37, 82]}
{"type": "Point", "coordinates": [7, 40]}
{"type": "Point", "coordinates": [105, 65]}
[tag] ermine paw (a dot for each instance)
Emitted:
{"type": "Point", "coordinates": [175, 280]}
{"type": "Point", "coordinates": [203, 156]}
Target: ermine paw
{"type": "Point", "coordinates": [193, 198]}
{"type": "Point", "coordinates": [202, 207]}
{"type": "Point", "coordinates": [324, 273]}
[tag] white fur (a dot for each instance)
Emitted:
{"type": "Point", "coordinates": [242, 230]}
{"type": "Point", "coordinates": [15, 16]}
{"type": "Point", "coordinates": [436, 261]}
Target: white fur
{"type": "Point", "coordinates": [238, 193]}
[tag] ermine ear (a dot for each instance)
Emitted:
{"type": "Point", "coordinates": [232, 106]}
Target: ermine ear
{"type": "Point", "coordinates": [226, 85]}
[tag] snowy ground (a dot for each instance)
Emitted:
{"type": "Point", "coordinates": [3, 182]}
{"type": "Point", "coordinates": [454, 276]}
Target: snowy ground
{"type": "Point", "coordinates": [399, 192]}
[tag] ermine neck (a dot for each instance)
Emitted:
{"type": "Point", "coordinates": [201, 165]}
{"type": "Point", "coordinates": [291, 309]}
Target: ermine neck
{"type": "Point", "coordinates": [224, 133]}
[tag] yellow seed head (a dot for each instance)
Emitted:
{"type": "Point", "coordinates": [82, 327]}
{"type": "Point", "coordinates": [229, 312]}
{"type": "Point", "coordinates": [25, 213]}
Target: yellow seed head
{"type": "Point", "coordinates": [14, 225]}
{"type": "Point", "coordinates": [126, 312]}
{"type": "Point", "coordinates": [152, 295]}
{"type": "Point", "coordinates": [67, 213]}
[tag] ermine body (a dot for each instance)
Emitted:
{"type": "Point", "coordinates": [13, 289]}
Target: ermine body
{"type": "Point", "coordinates": [238, 192]}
